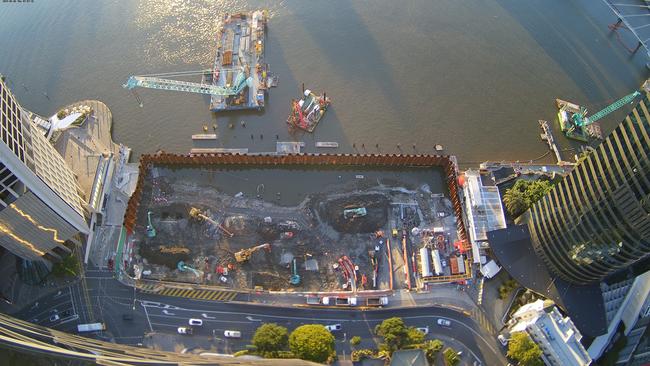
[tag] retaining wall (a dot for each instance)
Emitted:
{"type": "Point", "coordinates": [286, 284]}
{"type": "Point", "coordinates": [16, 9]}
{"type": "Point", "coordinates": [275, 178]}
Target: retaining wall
{"type": "Point", "coordinates": [331, 160]}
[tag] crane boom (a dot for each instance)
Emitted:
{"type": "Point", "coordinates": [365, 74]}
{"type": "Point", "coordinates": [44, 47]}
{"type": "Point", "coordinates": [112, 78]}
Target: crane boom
{"type": "Point", "coordinates": [157, 82]}
{"type": "Point", "coordinates": [581, 120]}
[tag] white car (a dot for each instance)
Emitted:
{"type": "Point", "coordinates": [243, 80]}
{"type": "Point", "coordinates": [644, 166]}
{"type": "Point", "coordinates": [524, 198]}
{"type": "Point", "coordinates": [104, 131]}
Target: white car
{"type": "Point", "coordinates": [333, 327]}
{"type": "Point", "coordinates": [424, 330]}
{"type": "Point", "coordinates": [232, 334]}
{"type": "Point", "coordinates": [502, 339]}
{"type": "Point", "coordinates": [185, 330]}
{"type": "Point", "coordinates": [444, 322]}
{"type": "Point", "coordinates": [55, 317]}
{"type": "Point", "coordinates": [197, 322]}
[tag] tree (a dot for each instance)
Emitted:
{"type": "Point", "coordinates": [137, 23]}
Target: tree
{"type": "Point", "coordinates": [515, 202]}
{"type": "Point", "coordinates": [524, 350]}
{"type": "Point", "coordinates": [524, 194]}
{"type": "Point", "coordinates": [431, 349]}
{"type": "Point", "coordinates": [312, 342]}
{"type": "Point", "coordinates": [451, 356]}
{"type": "Point", "coordinates": [394, 332]}
{"type": "Point", "coordinates": [355, 340]}
{"type": "Point", "coordinates": [67, 266]}
{"type": "Point", "coordinates": [270, 338]}
{"type": "Point", "coordinates": [414, 336]}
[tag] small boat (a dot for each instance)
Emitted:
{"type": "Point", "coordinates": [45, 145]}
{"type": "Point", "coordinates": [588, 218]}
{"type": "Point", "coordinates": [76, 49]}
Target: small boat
{"type": "Point", "coordinates": [439, 147]}
{"type": "Point", "coordinates": [330, 144]}
{"type": "Point", "coordinates": [204, 136]}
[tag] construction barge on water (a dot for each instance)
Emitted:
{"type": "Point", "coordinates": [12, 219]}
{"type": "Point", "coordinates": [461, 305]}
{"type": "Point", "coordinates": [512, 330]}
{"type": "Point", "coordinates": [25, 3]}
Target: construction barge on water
{"type": "Point", "coordinates": [308, 110]}
{"type": "Point", "coordinates": [239, 63]}
{"type": "Point", "coordinates": [239, 78]}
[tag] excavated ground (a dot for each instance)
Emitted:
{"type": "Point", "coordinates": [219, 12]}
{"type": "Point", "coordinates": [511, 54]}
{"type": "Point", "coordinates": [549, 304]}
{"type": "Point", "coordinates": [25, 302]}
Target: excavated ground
{"type": "Point", "coordinates": [321, 234]}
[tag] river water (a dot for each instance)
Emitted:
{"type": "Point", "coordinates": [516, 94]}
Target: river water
{"type": "Point", "coordinates": [473, 75]}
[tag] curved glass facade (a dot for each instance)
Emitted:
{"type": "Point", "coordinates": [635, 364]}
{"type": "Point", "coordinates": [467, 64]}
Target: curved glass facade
{"type": "Point", "coordinates": [596, 220]}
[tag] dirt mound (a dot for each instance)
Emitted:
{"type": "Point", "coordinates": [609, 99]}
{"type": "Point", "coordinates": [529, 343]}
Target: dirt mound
{"type": "Point", "coordinates": [376, 206]}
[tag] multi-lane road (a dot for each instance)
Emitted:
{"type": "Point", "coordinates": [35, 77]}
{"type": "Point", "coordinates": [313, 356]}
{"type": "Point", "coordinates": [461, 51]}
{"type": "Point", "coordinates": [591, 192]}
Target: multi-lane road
{"type": "Point", "coordinates": [160, 315]}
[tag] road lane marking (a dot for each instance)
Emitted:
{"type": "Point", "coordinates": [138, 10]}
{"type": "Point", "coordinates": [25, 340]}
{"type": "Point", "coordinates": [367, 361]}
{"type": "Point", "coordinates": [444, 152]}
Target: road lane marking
{"type": "Point", "coordinates": [147, 314]}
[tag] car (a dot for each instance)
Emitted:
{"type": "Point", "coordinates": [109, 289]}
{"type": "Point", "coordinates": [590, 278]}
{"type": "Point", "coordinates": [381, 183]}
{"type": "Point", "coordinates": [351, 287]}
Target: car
{"type": "Point", "coordinates": [127, 316]}
{"type": "Point", "coordinates": [444, 322]}
{"type": "Point", "coordinates": [333, 327]}
{"type": "Point", "coordinates": [424, 330]}
{"type": "Point", "coordinates": [197, 322]}
{"type": "Point", "coordinates": [502, 339]}
{"type": "Point", "coordinates": [55, 317]}
{"type": "Point", "coordinates": [185, 330]}
{"type": "Point", "coordinates": [232, 334]}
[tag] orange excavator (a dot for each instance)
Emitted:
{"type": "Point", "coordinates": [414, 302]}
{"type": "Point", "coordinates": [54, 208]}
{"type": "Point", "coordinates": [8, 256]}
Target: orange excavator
{"type": "Point", "coordinates": [245, 254]}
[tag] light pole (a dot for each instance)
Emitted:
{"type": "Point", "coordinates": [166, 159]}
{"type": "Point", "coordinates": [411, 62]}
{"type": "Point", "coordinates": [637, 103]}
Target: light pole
{"type": "Point", "coordinates": [134, 286]}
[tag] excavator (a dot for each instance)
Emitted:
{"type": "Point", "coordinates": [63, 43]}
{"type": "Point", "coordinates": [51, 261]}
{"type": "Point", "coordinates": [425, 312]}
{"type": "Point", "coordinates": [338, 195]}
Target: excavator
{"type": "Point", "coordinates": [197, 214]}
{"type": "Point", "coordinates": [245, 254]}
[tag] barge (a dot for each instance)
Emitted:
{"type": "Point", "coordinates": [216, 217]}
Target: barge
{"type": "Point", "coordinates": [307, 111]}
{"type": "Point", "coordinates": [239, 63]}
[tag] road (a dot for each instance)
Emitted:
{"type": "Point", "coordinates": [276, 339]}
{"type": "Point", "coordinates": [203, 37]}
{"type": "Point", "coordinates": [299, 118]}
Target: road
{"type": "Point", "coordinates": [162, 316]}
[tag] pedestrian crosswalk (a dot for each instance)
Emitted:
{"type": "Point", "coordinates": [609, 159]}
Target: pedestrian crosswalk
{"type": "Point", "coordinates": [209, 295]}
{"type": "Point", "coordinates": [481, 318]}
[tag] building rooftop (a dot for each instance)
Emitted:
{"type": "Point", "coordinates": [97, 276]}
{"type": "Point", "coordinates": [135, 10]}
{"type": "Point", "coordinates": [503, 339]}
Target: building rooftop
{"type": "Point", "coordinates": [584, 304]}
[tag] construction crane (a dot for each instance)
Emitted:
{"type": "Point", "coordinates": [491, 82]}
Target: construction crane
{"type": "Point", "coordinates": [197, 214]}
{"type": "Point", "coordinates": [161, 82]}
{"type": "Point", "coordinates": [245, 254]}
{"type": "Point", "coordinates": [574, 121]}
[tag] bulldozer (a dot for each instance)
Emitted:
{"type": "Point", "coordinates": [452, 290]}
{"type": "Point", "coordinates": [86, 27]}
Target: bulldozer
{"type": "Point", "coordinates": [245, 254]}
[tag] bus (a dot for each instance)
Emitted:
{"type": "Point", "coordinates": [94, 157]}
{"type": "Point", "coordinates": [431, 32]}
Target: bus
{"type": "Point", "coordinates": [91, 327]}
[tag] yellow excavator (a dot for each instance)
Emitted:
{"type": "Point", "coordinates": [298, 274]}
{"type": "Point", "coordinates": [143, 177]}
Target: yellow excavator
{"type": "Point", "coordinates": [198, 215]}
{"type": "Point", "coordinates": [245, 254]}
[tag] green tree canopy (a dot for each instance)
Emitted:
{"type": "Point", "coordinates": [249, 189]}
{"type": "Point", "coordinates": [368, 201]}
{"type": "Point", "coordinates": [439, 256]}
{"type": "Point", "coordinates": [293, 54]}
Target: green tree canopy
{"type": "Point", "coordinates": [414, 336]}
{"type": "Point", "coordinates": [312, 342]}
{"type": "Point", "coordinates": [270, 338]}
{"type": "Point", "coordinates": [451, 356]}
{"type": "Point", "coordinates": [523, 194]}
{"type": "Point", "coordinates": [524, 350]}
{"type": "Point", "coordinates": [394, 332]}
{"type": "Point", "coordinates": [431, 349]}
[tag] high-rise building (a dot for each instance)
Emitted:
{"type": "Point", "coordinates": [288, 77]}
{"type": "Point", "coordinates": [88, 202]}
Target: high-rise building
{"type": "Point", "coordinates": [555, 334]}
{"type": "Point", "coordinates": [41, 211]}
{"type": "Point", "coordinates": [596, 220]}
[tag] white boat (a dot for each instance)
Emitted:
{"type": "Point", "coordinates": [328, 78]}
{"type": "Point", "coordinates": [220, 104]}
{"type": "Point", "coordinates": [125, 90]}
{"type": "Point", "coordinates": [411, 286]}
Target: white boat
{"type": "Point", "coordinates": [327, 144]}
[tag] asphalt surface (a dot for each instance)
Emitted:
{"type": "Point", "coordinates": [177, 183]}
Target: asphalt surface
{"type": "Point", "coordinates": [162, 315]}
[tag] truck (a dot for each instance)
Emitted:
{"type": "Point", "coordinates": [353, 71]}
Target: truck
{"type": "Point", "coordinates": [376, 301]}
{"type": "Point", "coordinates": [90, 327]}
{"type": "Point", "coordinates": [340, 301]}
{"type": "Point", "coordinates": [425, 266]}
{"type": "Point", "coordinates": [437, 263]}
{"type": "Point", "coordinates": [313, 300]}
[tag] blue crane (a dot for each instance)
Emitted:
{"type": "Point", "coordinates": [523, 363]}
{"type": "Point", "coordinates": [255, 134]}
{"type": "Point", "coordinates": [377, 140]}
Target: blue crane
{"type": "Point", "coordinates": [574, 124]}
{"type": "Point", "coordinates": [162, 82]}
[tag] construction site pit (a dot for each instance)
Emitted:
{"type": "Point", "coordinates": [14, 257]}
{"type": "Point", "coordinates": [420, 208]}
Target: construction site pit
{"type": "Point", "coordinates": [332, 223]}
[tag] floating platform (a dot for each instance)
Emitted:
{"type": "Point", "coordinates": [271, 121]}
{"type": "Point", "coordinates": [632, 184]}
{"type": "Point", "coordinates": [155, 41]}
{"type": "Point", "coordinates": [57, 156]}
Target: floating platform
{"type": "Point", "coordinates": [565, 111]}
{"type": "Point", "coordinates": [239, 63]}
{"type": "Point", "coordinates": [204, 136]}
{"type": "Point", "coordinates": [327, 144]}
{"type": "Point", "coordinates": [217, 150]}
{"type": "Point", "coordinates": [308, 111]}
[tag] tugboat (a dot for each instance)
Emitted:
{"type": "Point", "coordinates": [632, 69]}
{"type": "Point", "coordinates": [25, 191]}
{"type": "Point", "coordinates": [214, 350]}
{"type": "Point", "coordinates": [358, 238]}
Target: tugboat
{"type": "Point", "coordinates": [308, 111]}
